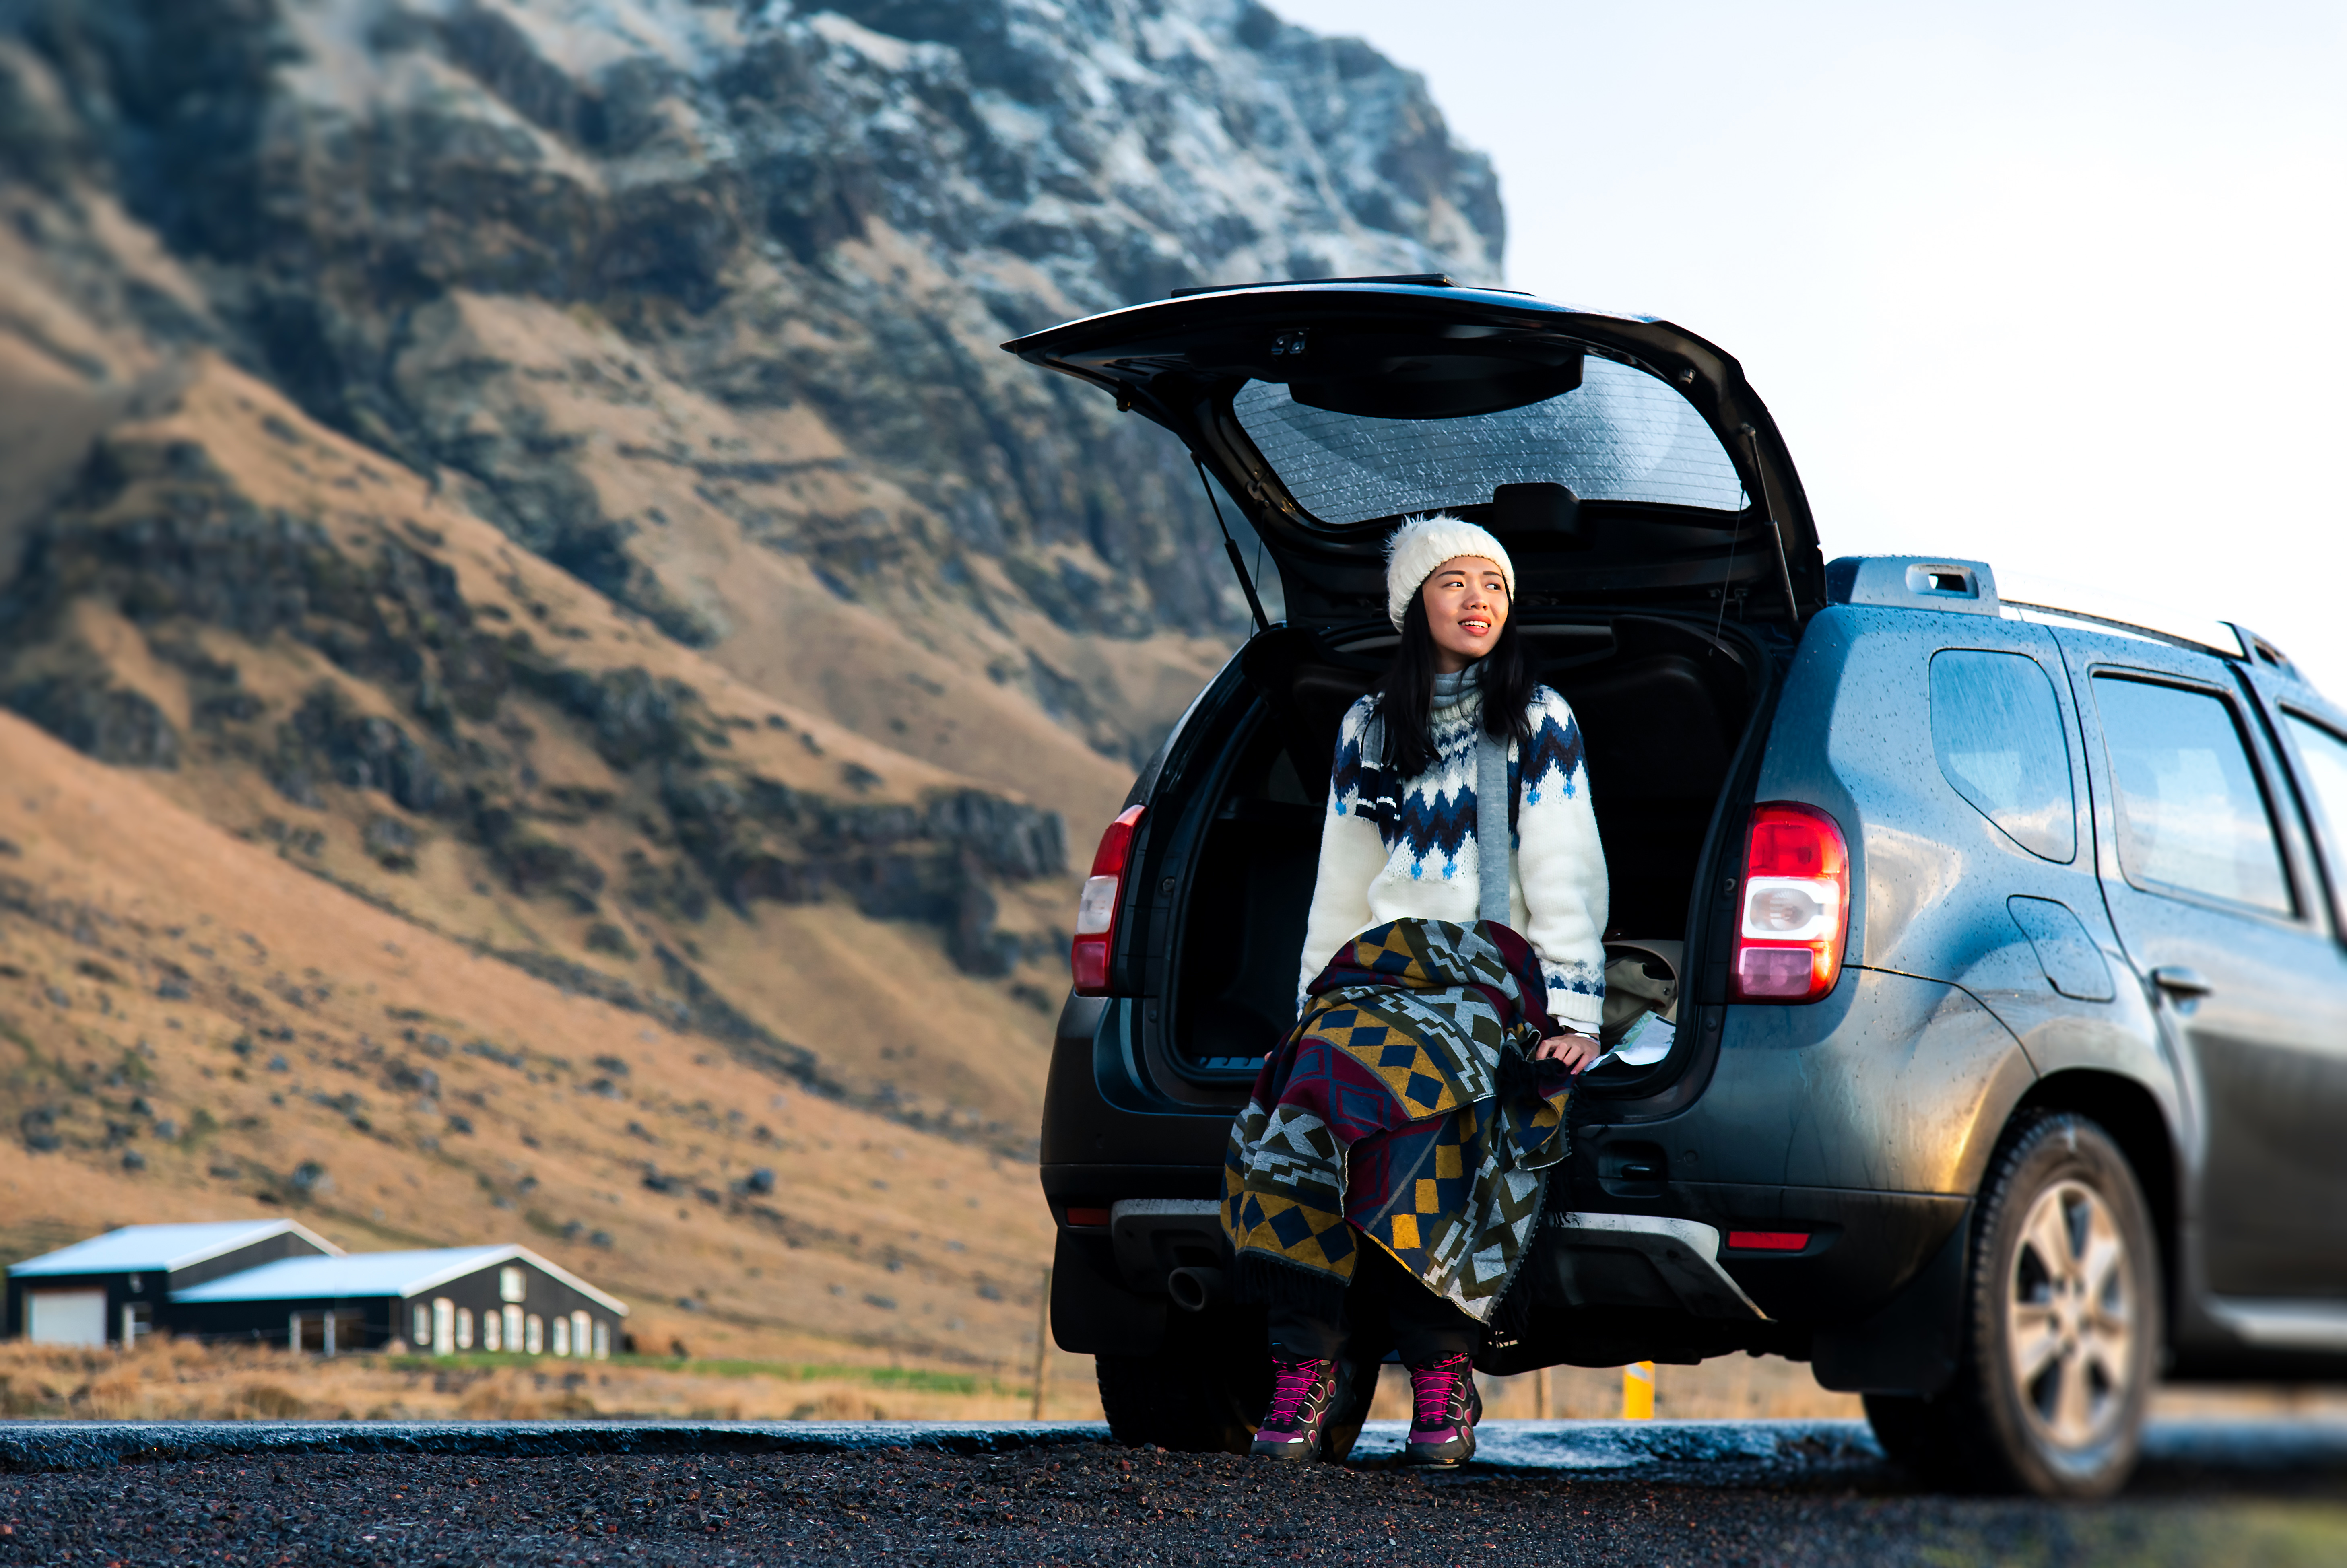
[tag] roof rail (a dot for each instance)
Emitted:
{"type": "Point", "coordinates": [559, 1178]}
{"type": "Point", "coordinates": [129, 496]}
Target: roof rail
{"type": "Point", "coordinates": [2263, 650]}
{"type": "Point", "coordinates": [1418, 279]}
{"type": "Point", "coordinates": [2089, 603]}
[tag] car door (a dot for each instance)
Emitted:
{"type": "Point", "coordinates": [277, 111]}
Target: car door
{"type": "Point", "coordinates": [2313, 736]}
{"type": "Point", "coordinates": [2203, 860]}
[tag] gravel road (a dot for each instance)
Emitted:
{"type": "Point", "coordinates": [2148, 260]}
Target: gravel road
{"type": "Point", "coordinates": [1091, 1502]}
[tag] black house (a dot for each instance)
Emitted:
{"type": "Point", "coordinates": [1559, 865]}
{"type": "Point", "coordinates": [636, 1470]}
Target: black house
{"type": "Point", "coordinates": [441, 1301]}
{"type": "Point", "coordinates": [117, 1288]}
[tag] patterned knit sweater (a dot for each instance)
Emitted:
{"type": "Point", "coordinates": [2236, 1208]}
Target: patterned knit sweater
{"type": "Point", "coordinates": [1394, 849]}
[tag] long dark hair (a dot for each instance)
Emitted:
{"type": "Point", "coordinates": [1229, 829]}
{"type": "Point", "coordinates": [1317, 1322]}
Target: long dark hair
{"type": "Point", "coordinates": [1406, 692]}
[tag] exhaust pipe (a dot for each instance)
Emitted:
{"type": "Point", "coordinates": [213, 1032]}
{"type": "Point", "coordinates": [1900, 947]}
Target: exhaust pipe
{"type": "Point", "coordinates": [1195, 1289]}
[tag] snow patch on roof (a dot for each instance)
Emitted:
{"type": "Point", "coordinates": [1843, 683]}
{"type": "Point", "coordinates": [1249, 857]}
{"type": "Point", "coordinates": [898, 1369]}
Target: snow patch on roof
{"type": "Point", "coordinates": [375, 1273]}
{"type": "Point", "coordinates": [162, 1247]}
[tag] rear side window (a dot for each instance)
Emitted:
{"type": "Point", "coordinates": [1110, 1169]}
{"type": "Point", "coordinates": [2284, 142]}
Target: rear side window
{"type": "Point", "coordinates": [2325, 756]}
{"type": "Point", "coordinates": [1996, 727]}
{"type": "Point", "coordinates": [2192, 816]}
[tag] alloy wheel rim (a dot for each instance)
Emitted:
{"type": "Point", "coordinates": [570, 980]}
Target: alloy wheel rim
{"type": "Point", "coordinates": [2070, 1317]}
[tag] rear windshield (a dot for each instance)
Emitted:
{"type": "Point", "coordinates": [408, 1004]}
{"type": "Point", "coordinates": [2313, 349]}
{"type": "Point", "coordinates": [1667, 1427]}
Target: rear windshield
{"type": "Point", "coordinates": [1621, 436]}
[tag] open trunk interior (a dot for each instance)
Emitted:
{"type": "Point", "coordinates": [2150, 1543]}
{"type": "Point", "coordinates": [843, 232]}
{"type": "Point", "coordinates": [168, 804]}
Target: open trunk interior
{"type": "Point", "coordinates": [1662, 704]}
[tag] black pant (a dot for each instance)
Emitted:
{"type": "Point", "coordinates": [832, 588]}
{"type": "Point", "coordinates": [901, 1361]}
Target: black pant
{"type": "Point", "coordinates": [1386, 1306]}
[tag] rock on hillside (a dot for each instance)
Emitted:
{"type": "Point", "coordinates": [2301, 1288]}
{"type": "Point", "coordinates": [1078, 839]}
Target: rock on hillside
{"type": "Point", "coordinates": [700, 302]}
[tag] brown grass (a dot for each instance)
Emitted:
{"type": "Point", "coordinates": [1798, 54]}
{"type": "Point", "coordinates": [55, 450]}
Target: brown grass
{"type": "Point", "coordinates": [181, 1380]}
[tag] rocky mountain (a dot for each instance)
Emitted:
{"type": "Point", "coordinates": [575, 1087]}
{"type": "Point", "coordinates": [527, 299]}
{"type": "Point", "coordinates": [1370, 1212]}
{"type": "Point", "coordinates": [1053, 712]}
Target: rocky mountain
{"type": "Point", "coordinates": [700, 302]}
{"type": "Point", "coordinates": [544, 469]}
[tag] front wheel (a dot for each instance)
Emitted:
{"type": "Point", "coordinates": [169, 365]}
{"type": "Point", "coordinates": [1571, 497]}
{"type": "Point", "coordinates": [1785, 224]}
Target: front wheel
{"type": "Point", "coordinates": [2061, 1331]}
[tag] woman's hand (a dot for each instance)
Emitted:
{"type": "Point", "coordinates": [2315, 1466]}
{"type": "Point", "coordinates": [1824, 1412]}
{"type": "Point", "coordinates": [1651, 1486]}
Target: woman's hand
{"type": "Point", "coordinates": [1574, 1049]}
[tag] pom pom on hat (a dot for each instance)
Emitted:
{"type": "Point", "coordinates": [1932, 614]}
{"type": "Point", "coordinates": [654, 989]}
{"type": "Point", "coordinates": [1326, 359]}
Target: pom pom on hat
{"type": "Point", "coordinates": [1424, 543]}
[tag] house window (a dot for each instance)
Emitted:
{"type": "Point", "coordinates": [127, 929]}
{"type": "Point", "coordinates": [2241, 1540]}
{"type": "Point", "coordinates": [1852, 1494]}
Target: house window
{"type": "Point", "coordinates": [464, 1329]}
{"type": "Point", "coordinates": [329, 1333]}
{"type": "Point", "coordinates": [513, 1284]}
{"type": "Point", "coordinates": [534, 1336]}
{"type": "Point", "coordinates": [561, 1346]}
{"type": "Point", "coordinates": [512, 1315]}
{"type": "Point", "coordinates": [581, 1337]}
{"type": "Point", "coordinates": [492, 1331]}
{"type": "Point", "coordinates": [602, 1340]}
{"type": "Point", "coordinates": [138, 1322]}
{"type": "Point", "coordinates": [422, 1338]}
{"type": "Point", "coordinates": [444, 1326]}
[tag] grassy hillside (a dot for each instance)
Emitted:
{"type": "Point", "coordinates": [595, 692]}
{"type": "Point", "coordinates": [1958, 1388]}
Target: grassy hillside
{"type": "Point", "coordinates": [193, 1028]}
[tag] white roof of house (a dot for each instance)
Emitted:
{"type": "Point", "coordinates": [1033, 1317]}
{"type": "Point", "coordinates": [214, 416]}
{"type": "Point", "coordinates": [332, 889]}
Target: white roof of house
{"type": "Point", "coordinates": [372, 1274]}
{"type": "Point", "coordinates": [163, 1248]}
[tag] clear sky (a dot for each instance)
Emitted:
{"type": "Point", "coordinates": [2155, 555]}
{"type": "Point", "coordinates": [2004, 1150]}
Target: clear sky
{"type": "Point", "coordinates": [2057, 286]}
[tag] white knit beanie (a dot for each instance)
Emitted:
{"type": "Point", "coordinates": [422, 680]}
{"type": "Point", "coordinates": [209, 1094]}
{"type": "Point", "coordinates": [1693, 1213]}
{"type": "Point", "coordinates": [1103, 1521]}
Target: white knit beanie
{"type": "Point", "coordinates": [1424, 543]}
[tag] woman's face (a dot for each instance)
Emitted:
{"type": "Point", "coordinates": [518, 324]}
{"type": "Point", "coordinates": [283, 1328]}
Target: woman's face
{"type": "Point", "coordinates": [1466, 605]}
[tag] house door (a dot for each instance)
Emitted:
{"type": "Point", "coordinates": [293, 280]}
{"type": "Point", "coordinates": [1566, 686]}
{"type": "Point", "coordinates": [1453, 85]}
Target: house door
{"type": "Point", "coordinates": [65, 1316]}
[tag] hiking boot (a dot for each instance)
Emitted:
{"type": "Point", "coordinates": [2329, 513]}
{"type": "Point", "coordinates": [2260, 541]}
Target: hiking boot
{"type": "Point", "coordinates": [1301, 1393]}
{"type": "Point", "coordinates": [1444, 1407]}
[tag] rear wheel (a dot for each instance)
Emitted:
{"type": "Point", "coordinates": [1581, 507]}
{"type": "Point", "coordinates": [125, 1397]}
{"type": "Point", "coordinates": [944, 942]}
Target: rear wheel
{"type": "Point", "coordinates": [1202, 1392]}
{"type": "Point", "coordinates": [1205, 1389]}
{"type": "Point", "coordinates": [2062, 1327]}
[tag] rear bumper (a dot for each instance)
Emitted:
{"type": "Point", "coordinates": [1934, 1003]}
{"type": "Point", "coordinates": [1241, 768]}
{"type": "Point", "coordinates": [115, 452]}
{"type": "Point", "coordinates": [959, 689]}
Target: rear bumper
{"type": "Point", "coordinates": [1866, 1272]}
{"type": "Point", "coordinates": [1863, 1246]}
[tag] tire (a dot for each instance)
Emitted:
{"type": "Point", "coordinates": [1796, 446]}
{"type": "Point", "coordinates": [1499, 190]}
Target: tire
{"type": "Point", "coordinates": [2061, 1328]}
{"type": "Point", "coordinates": [1203, 1392]}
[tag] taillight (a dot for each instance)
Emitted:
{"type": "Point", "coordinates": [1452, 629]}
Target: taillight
{"type": "Point", "coordinates": [1096, 905]}
{"type": "Point", "coordinates": [1795, 905]}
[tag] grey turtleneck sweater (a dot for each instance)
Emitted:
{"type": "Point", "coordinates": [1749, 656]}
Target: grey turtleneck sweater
{"type": "Point", "coordinates": [1491, 789]}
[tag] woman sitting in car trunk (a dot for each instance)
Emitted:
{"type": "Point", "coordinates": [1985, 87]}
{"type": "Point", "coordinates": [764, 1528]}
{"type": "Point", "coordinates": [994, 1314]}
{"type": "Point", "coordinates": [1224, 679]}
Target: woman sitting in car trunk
{"type": "Point", "coordinates": [1384, 1180]}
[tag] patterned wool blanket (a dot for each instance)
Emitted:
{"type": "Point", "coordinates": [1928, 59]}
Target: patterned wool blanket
{"type": "Point", "coordinates": [1403, 1106]}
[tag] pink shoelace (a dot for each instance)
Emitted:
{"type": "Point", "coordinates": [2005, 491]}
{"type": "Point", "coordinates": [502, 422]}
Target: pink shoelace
{"type": "Point", "coordinates": [1291, 1382]}
{"type": "Point", "coordinates": [1433, 1387]}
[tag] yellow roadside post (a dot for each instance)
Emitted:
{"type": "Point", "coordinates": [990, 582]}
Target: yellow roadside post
{"type": "Point", "coordinates": [1638, 1391]}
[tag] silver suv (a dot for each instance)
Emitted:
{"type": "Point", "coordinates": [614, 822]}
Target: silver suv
{"type": "Point", "coordinates": [2000, 943]}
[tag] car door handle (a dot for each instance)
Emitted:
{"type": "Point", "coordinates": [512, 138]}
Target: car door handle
{"type": "Point", "coordinates": [2180, 982]}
